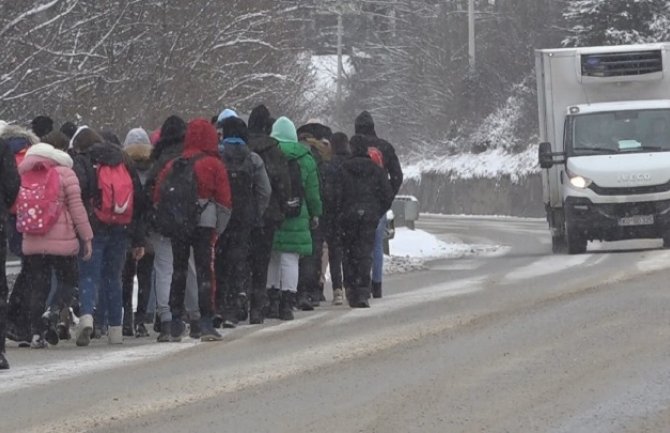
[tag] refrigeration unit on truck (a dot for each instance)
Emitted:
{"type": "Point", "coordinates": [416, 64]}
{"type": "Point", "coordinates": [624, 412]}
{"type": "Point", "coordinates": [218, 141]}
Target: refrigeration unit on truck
{"type": "Point", "coordinates": [605, 153]}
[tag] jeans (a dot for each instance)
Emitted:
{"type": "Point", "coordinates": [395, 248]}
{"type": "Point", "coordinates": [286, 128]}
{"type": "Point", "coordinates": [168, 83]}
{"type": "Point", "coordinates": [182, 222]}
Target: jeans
{"type": "Point", "coordinates": [101, 276]}
{"type": "Point", "coordinates": [40, 269]}
{"type": "Point", "coordinates": [378, 252]}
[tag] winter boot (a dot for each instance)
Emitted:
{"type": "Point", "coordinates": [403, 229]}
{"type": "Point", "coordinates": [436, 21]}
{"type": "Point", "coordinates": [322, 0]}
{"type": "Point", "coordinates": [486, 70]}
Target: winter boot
{"type": "Point", "coordinates": [141, 330]}
{"type": "Point", "coordinates": [177, 329]}
{"type": "Point", "coordinates": [255, 310]}
{"type": "Point", "coordinates": [115, 335]}
{"type": "Point", "coordinates": [304, 301]}
{"type": "Point", "coordinates": [128, 324]}
{"type": "Point", "coordinates": [286, 305]}
{"type": "Point", "coordinates": [338, 297]}
{"type": "Point", "coordinates": [50, 321]}
{"type": "Point", "coordinates": [38, 342]}
{"type": "Point", "coordinates": [217, 321]}
{"type": "Point", "coordinates": [66, 320]}
{"type": "Point", "coordinates": [164, 332]}
{"type": "Point", "coordinates": [274, 301]}
{"type": "Point", "coordinates": [4, 364]}
{"type": "Point", "coordinates": [209, 334]}
{"type": "Point", "coordinates": [376, 290]}
{"type": "Point", "coordinates": [85, 330]}
{"type": "Point", "coordinates": [195, 332]}
{"type": "Point", "coordinates": [361, 298]}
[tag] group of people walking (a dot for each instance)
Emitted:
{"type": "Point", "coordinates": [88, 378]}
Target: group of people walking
{"type": "Point", "coordinates": [214, 221]}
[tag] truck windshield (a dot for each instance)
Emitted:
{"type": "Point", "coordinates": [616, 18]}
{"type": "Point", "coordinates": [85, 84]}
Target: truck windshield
{"type": "Point", "coordinates": [621, 132]}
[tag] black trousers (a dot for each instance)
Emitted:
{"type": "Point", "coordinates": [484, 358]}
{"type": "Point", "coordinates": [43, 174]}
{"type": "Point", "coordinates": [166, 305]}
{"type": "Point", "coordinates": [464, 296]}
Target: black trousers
{"type": "Point", "coordinates": [309, 277]}
{"type": "Point", "coordinates": [18, 315]}
{"type": "Point", "coordinates": [262, 239]}
{"type": "Point", "coordinates": [143, 268]}
{"type": "Point", "coordinates": [39, 269]}
{"type": "Point", "coordinates": [358, 243]}
{"type": "Point", "coordinates": [233, 270]}
{"type": "Point", "coordinates": [202, 241]}
{"type": "Point", "coordinates": [333, 235]}
{"type": "Point", "coordinates": [4, 289]}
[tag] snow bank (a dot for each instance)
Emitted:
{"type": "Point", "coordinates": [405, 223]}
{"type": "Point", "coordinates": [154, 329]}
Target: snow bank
{"type": "Point", "coordinates": [411, 249]}
{"type": "Point", "coordinates": [494, 163]}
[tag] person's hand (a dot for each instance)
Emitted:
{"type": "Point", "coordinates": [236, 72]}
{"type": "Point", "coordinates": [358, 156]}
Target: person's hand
{"type": "Point", "coordinates": [88, 250]}
{"type": "Point", "coordinates": [138, 253]}
{"type": "Point", "coordinates": [314, 223]}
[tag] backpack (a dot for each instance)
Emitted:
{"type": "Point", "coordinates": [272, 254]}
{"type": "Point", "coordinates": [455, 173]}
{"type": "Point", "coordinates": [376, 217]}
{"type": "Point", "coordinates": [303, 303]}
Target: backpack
{"type": "Point", "coordinates": [117, 194]}
{"type": "Point", "coordinates": [177, 212]}
{"type": "Point", "coordinates": [376, 155]}
{"type": "Point", "coordinates": [240, 169]}
{"type": "Point", "coordinates": [293, 207]}
{"type": "Point", "coordinates": [18, 157]}
{"type": "Point", "coordinates": [37, 205]}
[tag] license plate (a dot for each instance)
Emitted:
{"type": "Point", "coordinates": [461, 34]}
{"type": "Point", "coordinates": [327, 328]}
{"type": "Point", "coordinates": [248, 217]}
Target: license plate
{"type": "Point", "coordinates": [638, 220]}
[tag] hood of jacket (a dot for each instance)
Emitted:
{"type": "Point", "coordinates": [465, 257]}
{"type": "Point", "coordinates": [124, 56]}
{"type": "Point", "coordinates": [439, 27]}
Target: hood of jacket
{"type": "Point", "coordinates": [18, 138]}
{"type": "Point", "coordinates": [44, 154]}
{"type": "Point", "coordinates": [259, 120]}
{"type": "Point", "coordinates": [136, 136]}
{"type": "Point", "coordinates": [365, 124]}
{"type": "Point", "coordinates": [84, 138]}
{"type": "Point", "coordinates": [284, 130]}
{"type": "Point", "coordinates": [201, 136]}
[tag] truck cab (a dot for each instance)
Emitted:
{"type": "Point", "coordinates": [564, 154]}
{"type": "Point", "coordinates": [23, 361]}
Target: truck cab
{"type": "Point", "coordinates": [605, 152]}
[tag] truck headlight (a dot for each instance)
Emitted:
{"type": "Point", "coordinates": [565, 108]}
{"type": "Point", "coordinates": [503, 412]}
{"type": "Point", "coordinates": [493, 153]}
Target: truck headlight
{"type": "Point", "coordinates": [579, 181]}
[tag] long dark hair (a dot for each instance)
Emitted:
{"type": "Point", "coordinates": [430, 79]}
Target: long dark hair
{"type": "Point", "coordinates": [173, 132]}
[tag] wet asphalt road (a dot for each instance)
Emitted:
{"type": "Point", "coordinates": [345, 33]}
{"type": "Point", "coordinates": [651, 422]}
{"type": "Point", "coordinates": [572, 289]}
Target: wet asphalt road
{"type": "Point", "coordinates": [519, 342]}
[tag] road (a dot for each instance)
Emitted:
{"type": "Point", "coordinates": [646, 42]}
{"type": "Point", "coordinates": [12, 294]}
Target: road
{"type": "Point", "coordinates": [520, 342]}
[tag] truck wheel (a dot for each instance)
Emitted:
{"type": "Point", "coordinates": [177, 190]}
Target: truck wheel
{"type": "Point", "coordinates": [576, 241]}
{"type": "Point", "coordinates": [558, 245]}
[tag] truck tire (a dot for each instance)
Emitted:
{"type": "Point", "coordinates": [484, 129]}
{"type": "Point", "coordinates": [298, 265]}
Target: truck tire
{"type": "Point", "coordinates": [576, 242]}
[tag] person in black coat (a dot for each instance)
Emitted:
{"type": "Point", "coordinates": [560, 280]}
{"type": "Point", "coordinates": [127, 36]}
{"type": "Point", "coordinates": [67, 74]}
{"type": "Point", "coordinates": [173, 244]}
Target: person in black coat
{"type": "Point", "coordinates": [9, 188]}
{"type": "Point", "coordinates": [366, 197]}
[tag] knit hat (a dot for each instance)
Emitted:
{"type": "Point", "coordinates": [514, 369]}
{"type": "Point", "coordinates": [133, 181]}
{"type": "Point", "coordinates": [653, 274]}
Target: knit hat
{"type": "Point", "coordinates": [42, 125]}
{"type": "Point", "coordinates": [284, 131]}
{"type": "Point", "coordinates": [226, 114]}
{"type": "Point", "coordinates": [316, 130]}
{"type": "Point", "coordinates": [48, 151]}
{"type": "Point", "coordinates": [365, 124]}
{"type": "Point", "coordinates": [234, 127]}
{"type": "Point", "coordinates": [136, 136]}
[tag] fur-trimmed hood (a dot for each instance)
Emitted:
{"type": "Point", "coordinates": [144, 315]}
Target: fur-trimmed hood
{"type": "Point", "coordinates": [15, 131]}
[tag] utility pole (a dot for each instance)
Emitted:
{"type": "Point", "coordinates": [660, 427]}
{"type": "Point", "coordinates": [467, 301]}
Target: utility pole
{"type": "Point", "coordinates": [471, 36]}
{"type": "Point", "coordinates": [340, 66]}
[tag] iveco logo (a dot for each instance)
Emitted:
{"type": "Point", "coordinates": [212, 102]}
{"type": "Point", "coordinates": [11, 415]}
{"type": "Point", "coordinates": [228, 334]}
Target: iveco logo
{"type": "Point", "coordinates": [632, 178]}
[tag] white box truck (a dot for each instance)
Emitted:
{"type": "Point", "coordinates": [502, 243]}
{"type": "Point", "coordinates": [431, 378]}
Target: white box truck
{"type": "Point", "coordinates": [605, 129]}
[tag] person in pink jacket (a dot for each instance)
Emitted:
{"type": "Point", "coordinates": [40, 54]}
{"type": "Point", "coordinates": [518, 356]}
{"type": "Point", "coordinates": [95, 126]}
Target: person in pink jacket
{"type": "Point", "coordinates": [57, 249]}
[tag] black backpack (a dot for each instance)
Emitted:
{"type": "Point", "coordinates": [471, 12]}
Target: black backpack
{"type": "Point", "coordinates": [240, 169]}
{"type": "Point", "coordinates": [297, 197]}
{"type": "Point", "coordinates": [177, 213]}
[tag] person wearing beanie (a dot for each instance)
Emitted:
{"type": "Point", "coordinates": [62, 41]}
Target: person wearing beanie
{"type": "Point", "coordinates": [293, 239]}
{"type": "Point", "coordinates": [56, 250]}
{"type": "Point", "coordinates": [9, 188]}
{"type": "Point", "coordinates": [214, 196]}
{"type": "Point", "coordinates": [42, 125]}
{"type": "Point", "coordinates": [366, 196]}
{"type": "Point", "coordinates": [262, 237]}
{"type": "Point", "coordinates": [365, 125]}
{"type": "Point", "coordinates": [224, 115]}
{"type": "Point", "coordinates": [113, 237]}
{"type": "Point", "coordinates": [331, 190]}
{"type": "Point", "coordinates": [251, 191]}
{"type": "Point", "coordinates": [137, 146]}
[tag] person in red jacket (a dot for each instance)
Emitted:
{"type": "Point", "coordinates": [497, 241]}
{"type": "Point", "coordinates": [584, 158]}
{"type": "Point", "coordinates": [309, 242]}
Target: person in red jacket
{"type": "Point", "coordinates": [216, 200]}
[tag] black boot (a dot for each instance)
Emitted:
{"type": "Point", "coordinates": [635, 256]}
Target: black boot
{"type": "Point", "coordinates": [376, 290]}
{"type": "Point", "coordinates": [4, 364]}
{"type": "Point", "coordinates": [242, 307]}
{"type": "Point", "coordinates": [274, 300]}
{"type": "Point", "coordinates": [164, 336]}
{"type": "Point", "coordinates": [177, 329]}
{"type": "Point", "coordinates": [304, 301]}
{"type": "Point", "coordinates": [195, 331]}
{"type": "Point", "coordinates": [128, 330]}
{"type": "Point", "coordinates": [140, 329]}
{"type": "Point", "coordinates": [361, 297]}
{"type": "Point", "coordinates": [255, 310]}
{"type": "Point", "coordinates": [286, 305]}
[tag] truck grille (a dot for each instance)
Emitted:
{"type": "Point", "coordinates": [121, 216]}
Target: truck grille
{"type": "Point", "coordinates": [622, 64]}
{"type": "Point", "coordinates": [636, 190]}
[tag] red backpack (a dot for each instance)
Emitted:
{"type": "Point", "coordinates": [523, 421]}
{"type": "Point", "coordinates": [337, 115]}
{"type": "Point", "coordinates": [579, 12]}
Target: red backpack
{"type": "Point", "coordinates": [377, 156]}
{"type": "Point", "coordinates": [116, 195]}
{"type": "Point", "coordinates": [37, 205]}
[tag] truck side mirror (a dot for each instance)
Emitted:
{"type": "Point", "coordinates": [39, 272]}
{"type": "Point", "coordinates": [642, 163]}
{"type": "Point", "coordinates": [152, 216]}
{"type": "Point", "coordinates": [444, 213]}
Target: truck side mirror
{"type": "Point", "coordinates": [546, 156]}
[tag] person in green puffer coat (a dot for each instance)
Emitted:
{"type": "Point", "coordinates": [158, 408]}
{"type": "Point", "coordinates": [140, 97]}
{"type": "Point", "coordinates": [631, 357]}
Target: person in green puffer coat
{"type": "Point", "coordinates": [293, 239]}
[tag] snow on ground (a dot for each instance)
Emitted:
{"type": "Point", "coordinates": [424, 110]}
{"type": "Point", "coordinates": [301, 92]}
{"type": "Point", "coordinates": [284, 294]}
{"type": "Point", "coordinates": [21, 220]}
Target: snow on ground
{"type": "Point", "coordinates": [411, 249]}
{"type": "Point", "coordinates": [494, 164]}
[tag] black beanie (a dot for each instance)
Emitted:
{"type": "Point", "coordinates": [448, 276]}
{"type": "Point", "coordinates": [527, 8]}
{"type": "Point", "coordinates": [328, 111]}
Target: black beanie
{"type": "Point", "coordinates": [365, 124]}
{"type": "Point", "coordinates": [235, 127]}
{"type": "Point", "coordinates": [42, 125]}
{"type": "Point", "coordinates": [260, 121]}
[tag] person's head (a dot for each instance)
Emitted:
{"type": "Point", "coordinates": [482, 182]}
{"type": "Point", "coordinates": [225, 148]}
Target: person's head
{"type": "Point", "coordinates": [359, 145]}
{"type": "Point", "coordinates": [234, 127]}
{"type": "Point", "coordinates": [315, 129]}
{"type": "Point", "coordinates": [84, 139]}
{"type": "Point", "coordinates": [173, 130]}
{"type": "Point", "coordinates": [365, 124]}
{"type": "Point", "coordinates": [110, 137]}
{"type": "Point", "coordinates": [42, 125]}
{"type": "Point", "coordinates": [69, 129]}
{"type": "Point", "coordinates": [57, 139]}
{"type": "Point", "coordinates": [339, 143]}
{"type": "Point", "coordinates": [201, 137]}
{"type": "Point", "coordinates": [283, 130]}
{"type": "Point", "coordinates": [224, 115]}
{"type": "Point", "coordinates": [137, 136]}
{"type": "Point", "coordinates": [260, 121]}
